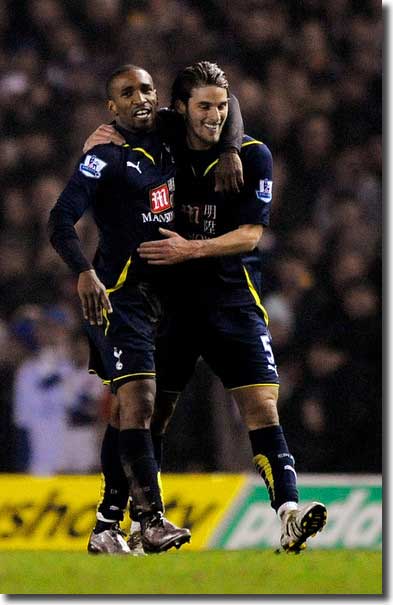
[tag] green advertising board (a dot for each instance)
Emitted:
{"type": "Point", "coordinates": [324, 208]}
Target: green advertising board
{"type": "Point", "coordinates": [354, 515]}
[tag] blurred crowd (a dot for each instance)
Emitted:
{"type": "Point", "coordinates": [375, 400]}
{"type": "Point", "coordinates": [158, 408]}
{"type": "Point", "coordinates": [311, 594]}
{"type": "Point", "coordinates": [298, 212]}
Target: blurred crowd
{"type": "Point", "coordinates": [308, 78]}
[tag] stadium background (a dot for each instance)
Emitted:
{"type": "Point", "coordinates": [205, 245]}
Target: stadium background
{"type": "Point", "coordinates": [308, 78]}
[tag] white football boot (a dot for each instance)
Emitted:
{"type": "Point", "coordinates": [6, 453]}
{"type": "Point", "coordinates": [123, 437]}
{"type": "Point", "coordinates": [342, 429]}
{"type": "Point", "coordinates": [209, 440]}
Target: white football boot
{"type": "Point", "coordinates": [300, 524]}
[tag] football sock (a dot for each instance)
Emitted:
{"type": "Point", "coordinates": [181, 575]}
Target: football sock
{"type": "Point", "coordinates": [114, 487]}
{"type": "Point", "coordinates": [158, 447]}
{"type": "Point", "coordinates": [275, 464]}
{"type": "Point", "coordinates": [140, 467]}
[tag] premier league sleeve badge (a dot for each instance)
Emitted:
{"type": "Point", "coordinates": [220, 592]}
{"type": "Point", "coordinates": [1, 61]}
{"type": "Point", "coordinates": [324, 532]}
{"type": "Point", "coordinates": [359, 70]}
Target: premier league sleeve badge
{"type": "Point", "coordinates": [265, 191]}
{"type": "Point", "coordinates": [92, 166]}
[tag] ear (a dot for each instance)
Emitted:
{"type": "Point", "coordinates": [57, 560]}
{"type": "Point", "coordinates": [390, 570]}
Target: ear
{"type": "Point", "coordinates": [180, 107]}
{"type": "Point", "coordinates": [111, 105]}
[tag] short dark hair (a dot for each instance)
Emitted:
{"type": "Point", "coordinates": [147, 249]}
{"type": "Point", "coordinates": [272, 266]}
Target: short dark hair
{"type": "Point", "coordinates": [123, 69]}
{"type": "Point", "coordinates": [199, 74]}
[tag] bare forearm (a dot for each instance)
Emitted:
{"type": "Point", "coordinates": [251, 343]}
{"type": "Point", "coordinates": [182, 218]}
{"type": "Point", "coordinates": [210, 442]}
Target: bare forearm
{"type": "Point", "coordinates": [243, 239]}
{"type": "Point", "coordinates": [177, 249]}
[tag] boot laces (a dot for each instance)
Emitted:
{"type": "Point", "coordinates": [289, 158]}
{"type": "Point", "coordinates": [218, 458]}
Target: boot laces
{"type": "Point", "coordinates": [155, 520]}
{"type": "Point", "coordinates": [116, 530]}
{"type": "Point", "coordinates": [293, 526]}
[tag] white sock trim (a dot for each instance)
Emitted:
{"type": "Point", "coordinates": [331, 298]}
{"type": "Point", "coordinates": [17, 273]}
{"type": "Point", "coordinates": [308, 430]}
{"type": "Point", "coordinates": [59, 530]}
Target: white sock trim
{"type": "Point", "coordinates": [101, 517]}
{"type": "Point", "coordinates": [286, 507]}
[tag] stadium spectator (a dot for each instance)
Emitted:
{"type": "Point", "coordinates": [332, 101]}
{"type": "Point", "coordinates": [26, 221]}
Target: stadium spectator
{"type": "Point", "coordinates": [85, 394]}
{"type": "Point", "coordinates": [49, 396]}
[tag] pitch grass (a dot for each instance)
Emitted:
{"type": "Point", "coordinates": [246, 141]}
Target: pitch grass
{"type": "Point", "coordinates": [211, 572]}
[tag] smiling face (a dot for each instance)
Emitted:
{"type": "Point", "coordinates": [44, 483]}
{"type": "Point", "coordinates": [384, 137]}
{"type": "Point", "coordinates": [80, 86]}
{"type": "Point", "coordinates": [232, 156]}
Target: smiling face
{"type": "Point", "coordinates": [205, 115]}
{"type": "Point", "coordinates": [133, 100]}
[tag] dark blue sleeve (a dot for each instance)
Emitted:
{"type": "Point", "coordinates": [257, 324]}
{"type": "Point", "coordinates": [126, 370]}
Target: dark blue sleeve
{"type": "Point", "coordinates": [93, 169]}
{"type": "Point", "coordinates": [256, 197]}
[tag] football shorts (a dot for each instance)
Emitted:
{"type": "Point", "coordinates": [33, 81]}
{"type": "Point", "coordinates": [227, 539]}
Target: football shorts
{"type": "Point", "coordinates": [234, 341]}
{"type": "Point", "coordinates": [122, 349]}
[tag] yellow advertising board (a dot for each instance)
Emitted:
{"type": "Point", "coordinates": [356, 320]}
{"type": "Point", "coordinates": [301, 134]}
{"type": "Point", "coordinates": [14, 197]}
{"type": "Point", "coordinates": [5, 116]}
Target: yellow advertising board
{"type": "Point", "coordinates": [58, 513]}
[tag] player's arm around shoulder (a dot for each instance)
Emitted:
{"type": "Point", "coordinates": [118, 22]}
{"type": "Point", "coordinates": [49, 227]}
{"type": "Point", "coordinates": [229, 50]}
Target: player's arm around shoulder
{"type": "Point", "coordinates": [229, 170]}
{"type": "Point", "coordinates": [105, 133]}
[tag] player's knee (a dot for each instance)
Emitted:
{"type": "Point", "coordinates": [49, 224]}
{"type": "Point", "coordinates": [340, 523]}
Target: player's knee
{"type": "Point", "coordinates": [136, 405]}
{"type": "Point", "coordinates": [264, 414]}
{"type": "Point", "coordinates": [269, 405]}
{"type": "Point", "coordinates": [146, 404]}
{"type": "Point", "coordinates": [260, 411]}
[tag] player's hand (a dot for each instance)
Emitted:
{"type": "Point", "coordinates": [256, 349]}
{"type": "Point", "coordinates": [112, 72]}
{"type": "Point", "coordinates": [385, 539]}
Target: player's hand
{"type": "Point", "coordinates": [175, 249]}
{"type": "Point", "coordinates": [102, 135]}
{"type": "Point", "coordinates": [93, 296]}
{"type": "Point", "coordinates": [229, 173]}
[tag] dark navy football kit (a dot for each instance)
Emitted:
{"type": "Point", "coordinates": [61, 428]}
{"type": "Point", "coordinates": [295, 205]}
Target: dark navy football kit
{"type": "Point", "coordinates": [216, 309]}
{"type": "Point", "coordinates": [130, 191]}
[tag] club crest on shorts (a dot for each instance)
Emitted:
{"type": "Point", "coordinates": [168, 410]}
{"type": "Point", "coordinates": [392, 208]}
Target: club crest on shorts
{"type": "Point", "coordinates": [116, 353]}
{"type": "Point", "coordinates": [92, 166]}
{"type": "Point", "coordinates": [265, 191]}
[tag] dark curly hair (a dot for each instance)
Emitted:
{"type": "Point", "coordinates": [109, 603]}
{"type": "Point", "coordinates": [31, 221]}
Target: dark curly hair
{"type": "Point", "coordinates": [199, 74]}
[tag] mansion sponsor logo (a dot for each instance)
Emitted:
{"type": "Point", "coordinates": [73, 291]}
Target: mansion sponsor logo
{"type": "Point", "coordinates": [150, 217]}
{"type": "Point", "coordinates": [160, 199]}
